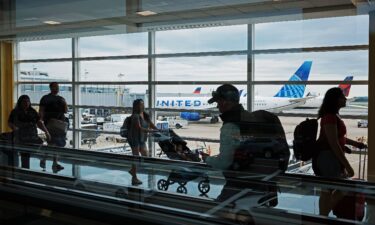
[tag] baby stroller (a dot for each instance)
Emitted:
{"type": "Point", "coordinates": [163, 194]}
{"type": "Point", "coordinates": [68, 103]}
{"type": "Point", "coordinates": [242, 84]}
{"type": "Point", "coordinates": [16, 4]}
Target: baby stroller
{"type": "Point", "coordinates": [176, 148]}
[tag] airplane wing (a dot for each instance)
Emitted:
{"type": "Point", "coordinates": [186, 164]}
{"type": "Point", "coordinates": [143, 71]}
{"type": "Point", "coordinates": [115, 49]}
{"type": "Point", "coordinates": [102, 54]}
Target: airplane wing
{"type": "Point", "coordinates": [348, 100]}
{"type": "Point", "coordinates": [352, 102]}
{"type": "Point", "coordinates": [358, 106]}
{"type": "Point", "coordinates": [298, 100]}
{"type": "Point", "coordinates": [293, 103]}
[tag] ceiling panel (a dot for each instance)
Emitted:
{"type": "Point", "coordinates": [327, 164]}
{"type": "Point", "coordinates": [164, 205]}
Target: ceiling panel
{"type": "Point", "coordinates": [29, 15]}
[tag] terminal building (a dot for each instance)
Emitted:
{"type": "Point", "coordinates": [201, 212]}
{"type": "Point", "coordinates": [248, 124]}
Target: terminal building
{"type": "Point", "coordinates": [282, 56]}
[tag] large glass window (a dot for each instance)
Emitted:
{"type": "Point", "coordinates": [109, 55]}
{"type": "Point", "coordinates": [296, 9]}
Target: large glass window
{"type": "Point", "coordinates": [36, 91]}
{"type": "Point", "coordinates": [112, 95]}
{"type": "Point", "coordinates": [337, 31]}
{"type": "Point", "coordinates": [181, 58]}
{"type": "Point", "coordinates": [226, 38]}
{"type": "Point", "coordinates": [45, 49]}
{"type": "Point", "coordinates": [45, 71]}
{"type": "Point", "coordinates": [209, 68]}
{"type": "Point", "coordinates": [114, 45]}
{"type": "Point", "coordinates": [114, 70]}
{"type": "Point", "coordinates": [332, 65]}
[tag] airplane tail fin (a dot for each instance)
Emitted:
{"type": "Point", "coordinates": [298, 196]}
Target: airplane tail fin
{"type": "Point", "coordinates": [197, 90]}
{"type": "Point", "coordinates": [296, 90]}
{"type": "Point", "coordinates": [346, 87]}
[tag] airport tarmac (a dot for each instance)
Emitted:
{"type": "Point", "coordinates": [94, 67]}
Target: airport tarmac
{"type": "Point", "coordinates": [203, 129]}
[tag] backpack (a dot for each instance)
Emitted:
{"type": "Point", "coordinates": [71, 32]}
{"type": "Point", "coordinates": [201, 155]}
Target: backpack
{"type": "Point", "coordinates": [263, 147]}
{"type": "Point", "coordinates": [124, 130]}
{"type": "Point", "coordinates": [305, 143]}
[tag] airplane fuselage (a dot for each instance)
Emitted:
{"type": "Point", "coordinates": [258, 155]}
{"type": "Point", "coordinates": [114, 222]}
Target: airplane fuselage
{"type": "Point", "coordinates": [274, 104]}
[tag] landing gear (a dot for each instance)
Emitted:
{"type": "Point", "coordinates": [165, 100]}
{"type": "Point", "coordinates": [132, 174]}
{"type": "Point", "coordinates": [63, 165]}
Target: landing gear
{"type": "Point", "coordinates": [214, 119]}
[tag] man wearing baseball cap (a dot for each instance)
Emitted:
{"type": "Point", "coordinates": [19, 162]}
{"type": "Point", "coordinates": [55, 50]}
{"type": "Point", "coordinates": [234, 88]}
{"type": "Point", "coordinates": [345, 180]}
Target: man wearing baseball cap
{"type": "Point", "coordinates": [238, 124]}
{"type": "Point", "coordinates": [227, 98]}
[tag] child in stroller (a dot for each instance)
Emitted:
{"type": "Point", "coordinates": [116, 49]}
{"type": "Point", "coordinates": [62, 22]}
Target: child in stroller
{"type": "Point", "coordinates": [176, 148]}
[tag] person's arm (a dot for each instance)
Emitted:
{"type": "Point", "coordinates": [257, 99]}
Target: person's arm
{"type": "Point", "coordinates": [65, 105]}
{"type": "Point", "coordinates": [229, 142]}
{"type": "Point", "coordinates": [331, 135]}
{"type": "Point", "coordinates": [356, 144]}
{"type": "Point", "coordinates": [152, 126]}
{"type": "Point", "coordinates": [41, 112]}
{"type": "Point", "coordinates": [42, 108]}
{"type": "Point", "coordinates": [12, 126]}
{"type": "Point", "coordinates": [11, 121]}
{"type": "Point", "coordinates": [41, 126]}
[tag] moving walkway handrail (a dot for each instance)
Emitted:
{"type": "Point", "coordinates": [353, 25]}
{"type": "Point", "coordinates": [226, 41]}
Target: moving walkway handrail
{"type": "Point", "coordinates": [100, 157]}
{"type": "Point", "coordinates": [90, 154]}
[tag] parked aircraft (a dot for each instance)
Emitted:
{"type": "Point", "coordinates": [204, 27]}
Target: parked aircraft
{"type": "Point", "coordinates": [317, 101]}
{"type": "Point", "coordinates": [288, 97]}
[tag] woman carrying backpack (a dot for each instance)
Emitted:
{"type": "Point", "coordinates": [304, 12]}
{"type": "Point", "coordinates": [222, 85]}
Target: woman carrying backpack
{"type": "Point", "coordinates": [331, 161]}
{"type": "Point", "coordinates": [140, 126]}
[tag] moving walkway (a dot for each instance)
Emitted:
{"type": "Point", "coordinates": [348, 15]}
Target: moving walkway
{"type": "Point", "coordinates": [95, 188]}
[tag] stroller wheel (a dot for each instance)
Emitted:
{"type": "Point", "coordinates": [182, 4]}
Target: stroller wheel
{"type": "Point", "coordinates": [204, 186]}
{"type": "Point", "coordinates": [182, 190]}
{"type": "Point", "coordinates": [163, 185]}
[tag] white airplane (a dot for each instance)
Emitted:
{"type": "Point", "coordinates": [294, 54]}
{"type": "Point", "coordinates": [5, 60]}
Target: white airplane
{"type": "Point", "coordinates": [289, 97]}
{"type": "Point", "coordinates": [318, 100]}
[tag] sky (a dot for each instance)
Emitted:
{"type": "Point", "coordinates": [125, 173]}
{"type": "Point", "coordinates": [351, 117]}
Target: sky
{"type": "Point", "coordinates": [292, 34]}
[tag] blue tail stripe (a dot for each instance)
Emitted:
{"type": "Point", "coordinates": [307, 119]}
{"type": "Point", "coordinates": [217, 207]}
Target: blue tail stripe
{"type": "Point", "coordinates": [348, 78]}
{"type": "Point", "coordinates": [296, 90]}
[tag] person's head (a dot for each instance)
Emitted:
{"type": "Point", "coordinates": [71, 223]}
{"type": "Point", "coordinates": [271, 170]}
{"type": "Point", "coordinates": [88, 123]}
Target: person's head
{"type": "Point", "coordinates": [54, 87]}
{"type": "Point", "coordinates": [226, 97]}
{"type": "Point", "coordinates": [138, 106]}
{"type": "Point", "coordinates": [334, 99]}
{"type": "Point", "coordinates": [23, 102]}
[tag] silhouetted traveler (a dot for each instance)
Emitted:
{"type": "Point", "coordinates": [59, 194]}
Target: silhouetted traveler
{"type": "Point", "coordinates": [51, 110]}
{"type": "Point", "coordinates": [239, 134]}
{"type": "Point", "coordinates": [140, 126]}
{"type": "Point", "coordinates": [330, 160]}
{"type": "Point", "coordinates": [24, 120]}
{"type": "Point", "coordinates": [239, 124]}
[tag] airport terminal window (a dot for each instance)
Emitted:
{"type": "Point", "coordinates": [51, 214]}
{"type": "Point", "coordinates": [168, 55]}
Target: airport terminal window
{"type": "Point", "coordinates": [335, 31]}
{"type": "Point", "coordinates": [220, 38]}
{"type": "Point", "coordinates": [100, 128]}
{"type": "Point", "coordinates": [45, 71]}
{"type": "Point", "coordinates": [114, 45]}
{"type": "Point", "coordinates": [58, 48]}
{"type": "Point", "coordinates": [330, 65]}
{"type": "Point", "coordinates": [186, 90]}
{"type": "Point", "coordinates": [96, 140]}
{"type": "Point", "coordinates": [112, 95]}
{"type": "Point", "coordinates": [208, 68]}
{"type": "Point", "coordinates": [36, 91]}
{"type": "Point", "coordinates": [114, 70]}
